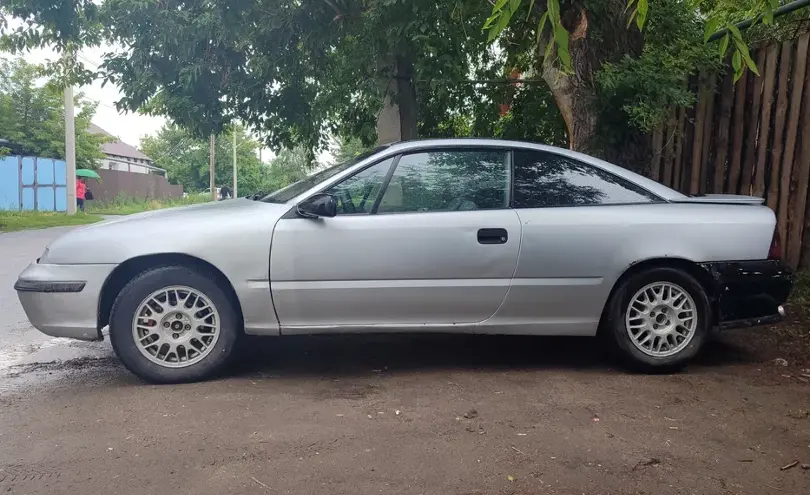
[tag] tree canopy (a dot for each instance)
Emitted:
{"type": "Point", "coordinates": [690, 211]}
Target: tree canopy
{"type": "Point", "coordinates": [298, 72]}
{"type": "Point", "coordinates": [185, 158]}
{"type": "Point", "coordinates": [32, 115]}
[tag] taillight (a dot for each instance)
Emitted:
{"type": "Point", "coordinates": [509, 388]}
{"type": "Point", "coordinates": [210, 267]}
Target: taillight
{"type": "Point", "coordinates": [775, 252]}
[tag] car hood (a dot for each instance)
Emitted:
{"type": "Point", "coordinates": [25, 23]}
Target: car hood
{"type": "Point", "coordinates": [185, 229]}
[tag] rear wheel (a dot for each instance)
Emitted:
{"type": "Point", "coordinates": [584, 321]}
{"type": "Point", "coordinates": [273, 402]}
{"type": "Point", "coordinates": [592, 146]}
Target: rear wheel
{"type": "Point", "coordinates": [659, 319]}
{"type": "Point", "coordinates": [173, 324]}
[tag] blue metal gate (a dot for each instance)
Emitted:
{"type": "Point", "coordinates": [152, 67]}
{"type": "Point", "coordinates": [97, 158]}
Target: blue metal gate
{"type": "Point", "coordinates": [32, 183]}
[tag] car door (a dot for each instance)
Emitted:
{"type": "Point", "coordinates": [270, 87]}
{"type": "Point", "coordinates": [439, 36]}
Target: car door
{"type": "Point", "coordinates": [424, 240]}
{"type": "Point", "coordinates": [576, 218]}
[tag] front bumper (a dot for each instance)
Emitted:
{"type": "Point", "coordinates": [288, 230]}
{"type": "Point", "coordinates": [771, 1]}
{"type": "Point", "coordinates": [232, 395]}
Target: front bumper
{"type": "Point", "coordinates": [62, 300]}
{"type": "Point", "coordinates": [749, 293]}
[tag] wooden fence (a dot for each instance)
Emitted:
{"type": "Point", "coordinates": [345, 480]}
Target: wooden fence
{"type": "Point", "coordinates": [752, 137]}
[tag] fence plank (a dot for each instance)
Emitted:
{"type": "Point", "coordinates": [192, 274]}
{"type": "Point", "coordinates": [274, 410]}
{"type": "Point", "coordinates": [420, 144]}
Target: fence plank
{"type": "Point", "coordinates": [697, 142]}
{"type": "Point", "coordinates": [796, 218]}
{"type": "Point", "coordinates": [657, 140]}
{"type": "Point", "coordinates": [765, 121]}
{"type": "Point", "coordinates": [680, 136]}
{"type": "Point", "coordinates": [727, 99]}
{"type": "Point", "coordinates": [735, 162]}
{"type": "Point", "coordinates": [670, 135]}
{"type": "Point", "coordinates": [753, 118]}
{"type": "Point", "coordinates": [779, 124]}
{"type": "Point", "coordinates": [786, 188]}
{"type": "Point", "coordinates": [708, 132]}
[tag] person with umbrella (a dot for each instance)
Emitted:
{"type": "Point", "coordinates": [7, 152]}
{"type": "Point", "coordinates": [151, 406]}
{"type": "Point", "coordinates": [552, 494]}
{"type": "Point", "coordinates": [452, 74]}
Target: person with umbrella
{"type": "Point", "coordinates": [81, 186]}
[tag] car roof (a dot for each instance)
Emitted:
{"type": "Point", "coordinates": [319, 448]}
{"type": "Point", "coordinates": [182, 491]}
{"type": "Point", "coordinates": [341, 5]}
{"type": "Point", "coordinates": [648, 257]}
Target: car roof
{"type": "Point", "coordinates": [638, 179]}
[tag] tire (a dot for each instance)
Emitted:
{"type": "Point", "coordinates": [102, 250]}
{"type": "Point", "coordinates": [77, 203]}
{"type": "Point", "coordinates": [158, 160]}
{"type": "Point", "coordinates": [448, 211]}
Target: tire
{"type": "Point", "coordinates": [195, 327]}
{"type": "Point", "coordinates": [682, 348]}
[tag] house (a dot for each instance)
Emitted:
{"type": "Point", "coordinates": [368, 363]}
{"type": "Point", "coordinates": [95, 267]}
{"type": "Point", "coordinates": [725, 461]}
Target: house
{"type": "Point", "coordinates": [118, 155]}
{"type": "Point", "coordinates": [126, 172]}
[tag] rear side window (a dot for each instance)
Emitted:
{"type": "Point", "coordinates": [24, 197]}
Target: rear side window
{"type": "Point", "coordinates": [544, 180]}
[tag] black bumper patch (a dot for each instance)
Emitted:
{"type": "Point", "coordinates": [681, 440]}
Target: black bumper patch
{"type": "Point", "coordinates": [39, 286]}
{"type": "Point", "coordinates": [749, 293]}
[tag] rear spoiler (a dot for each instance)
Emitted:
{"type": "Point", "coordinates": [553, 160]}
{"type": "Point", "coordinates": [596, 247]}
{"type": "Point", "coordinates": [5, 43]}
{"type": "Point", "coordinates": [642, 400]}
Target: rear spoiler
{"type": "Point", "coordinates": [723, 199]}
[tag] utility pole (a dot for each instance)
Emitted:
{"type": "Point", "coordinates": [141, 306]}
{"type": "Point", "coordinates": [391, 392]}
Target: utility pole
{"type": "Point", "coordinates": [233, 131]}
{"type": "Point", "coordinates": [211, 168]}
{"type": "Point", "coordinates": [70, 151]}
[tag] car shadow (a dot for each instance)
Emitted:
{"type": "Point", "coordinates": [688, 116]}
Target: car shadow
{"type": "Point", "coordinates": [348, 355]}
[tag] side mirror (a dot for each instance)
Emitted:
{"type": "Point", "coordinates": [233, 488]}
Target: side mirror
{"type": "Point", "coordinates": [319, 205]}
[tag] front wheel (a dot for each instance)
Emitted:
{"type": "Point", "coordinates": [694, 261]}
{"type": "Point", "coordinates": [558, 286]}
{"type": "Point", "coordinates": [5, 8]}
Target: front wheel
{"type": "Point", "coordinates": [173, 324]}
{"type": "Point", "coordinates": [658, 319]}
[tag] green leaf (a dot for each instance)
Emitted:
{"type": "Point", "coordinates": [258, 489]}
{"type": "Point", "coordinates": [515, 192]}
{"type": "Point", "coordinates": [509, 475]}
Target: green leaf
{"type": "Point", "coordinates": [724, 45]}
{"type": "Point", "coordinates": [629, 4]}
{"type": "Point", "coordinates": [750, 63]}
{"type": "Point", "coordinates": [710, 29]}
{"type": "Point", "coordinates": [549, 48]}
{"type": "Point", "coordinates": [561, 37]}
{"type": "Point", "coordinates": [736, 63]}
{"type": "Point", "coordinates": [531, 6]}
{"type": "Point", "coordinates": [490, 20]}
{"type": "Point", "coordinates": [641, 16]}
{"type": "Point", "coordinates": [553, 7]}
{"type": "Point", "coordinates": [541, 26]}
{"type": "Point", "coordinates": [742, 49]}
{"type": "Point", "coordinates": [735, 32]}
{"type": "Point", "coordinates": [498, 6]}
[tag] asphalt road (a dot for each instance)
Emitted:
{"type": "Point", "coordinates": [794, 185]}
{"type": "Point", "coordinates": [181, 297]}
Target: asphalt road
{"type": "Point", "coordinates": [21, 344]}
{"type": "Point", "coordinates": [397, 414]}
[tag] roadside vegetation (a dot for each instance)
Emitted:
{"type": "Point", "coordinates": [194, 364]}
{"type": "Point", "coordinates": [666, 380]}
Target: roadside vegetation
{"type": "Point", "coordinates": [127, 205]}
{"type": "Point", "coordinates": [11, 221]}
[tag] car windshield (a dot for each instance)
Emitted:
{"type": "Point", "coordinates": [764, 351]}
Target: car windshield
{"type": "Point", "coordinates": [289, 192]}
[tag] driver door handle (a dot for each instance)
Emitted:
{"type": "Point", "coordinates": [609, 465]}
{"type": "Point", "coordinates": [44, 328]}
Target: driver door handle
{"type": "Point", "coordinates": [492, 236]}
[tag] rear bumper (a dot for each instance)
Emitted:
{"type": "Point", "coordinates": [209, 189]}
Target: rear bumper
{"type": "Point", "coordinates": [749, 293]}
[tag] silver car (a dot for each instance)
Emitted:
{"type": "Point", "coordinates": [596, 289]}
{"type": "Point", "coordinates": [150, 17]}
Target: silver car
{"type": "Point", "coordinates": [462, 235]}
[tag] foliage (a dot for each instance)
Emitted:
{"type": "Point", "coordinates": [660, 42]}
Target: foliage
{"type": "Point", "coordinates": [295, 71]}
{"type": "Point", "coordinates": [186, 160]}
{"type": "Point", "coordinates": [348, 148]}
{"type": "Point", "coordinates": [721, 16]}
{"type": "Point", "coordinates": [32, 115]}
{"type": "Point", "coordinates": [124, 205]}
{"type": "Point", "coordinates": [290, 165]}
{"type": "Point", "coordinates": [22, 220]}
{"type": "Point", "coordinates": [64, 25]}
{"type": "Point", "coordinates": [642, 88]}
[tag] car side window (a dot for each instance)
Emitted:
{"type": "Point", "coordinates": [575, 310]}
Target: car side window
{"type": "Point", "coordinates": [545, 180]}
{"type": "Point", "coordinates": [357, 194]}
{"type": "Point", "coordinates": [448, 180]}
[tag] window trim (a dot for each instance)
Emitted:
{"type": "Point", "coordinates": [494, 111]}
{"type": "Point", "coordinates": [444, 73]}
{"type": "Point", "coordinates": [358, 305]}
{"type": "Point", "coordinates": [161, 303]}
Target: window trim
{"type": "Point", "coordinates": [506, 150]}
{"type": "Point", "coordinates": [656, 199]}
{"type": "Point", "coordinates": [394, 160]}
{"type": "Point", "coordinates": [384, 187]}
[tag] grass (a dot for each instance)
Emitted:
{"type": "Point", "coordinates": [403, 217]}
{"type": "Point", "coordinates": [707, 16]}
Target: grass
{"type": "Point", "coordinates": [127, 206]}
{"type": "Point", "coordinates": [22, 220]}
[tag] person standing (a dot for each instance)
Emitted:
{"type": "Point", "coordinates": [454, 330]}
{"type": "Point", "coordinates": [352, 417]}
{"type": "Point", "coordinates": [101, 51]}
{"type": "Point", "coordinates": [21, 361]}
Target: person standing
{"type": "Point", "coordinates": [81, 191]}
{"type": "Point", "coordinates": [225, 192]}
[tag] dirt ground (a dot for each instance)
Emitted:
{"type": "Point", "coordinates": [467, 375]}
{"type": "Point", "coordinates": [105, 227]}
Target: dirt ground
{"type": "Point", "coordinates": [419, 415]}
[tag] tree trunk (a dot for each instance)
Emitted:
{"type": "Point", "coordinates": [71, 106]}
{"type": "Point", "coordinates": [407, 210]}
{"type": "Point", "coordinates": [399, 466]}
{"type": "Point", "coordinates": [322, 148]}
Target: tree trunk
{"type": "Point", "coordinates": [590, 130]}
{"type": "Point", "coordinates": [397, 120]}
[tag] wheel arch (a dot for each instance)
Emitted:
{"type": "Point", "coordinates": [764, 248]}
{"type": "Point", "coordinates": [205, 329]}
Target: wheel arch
{"type": "Point", "coordinates": [130, 268]}
{"type": "Point", "coordinates": [690, 267]}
